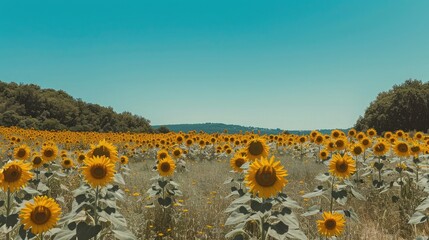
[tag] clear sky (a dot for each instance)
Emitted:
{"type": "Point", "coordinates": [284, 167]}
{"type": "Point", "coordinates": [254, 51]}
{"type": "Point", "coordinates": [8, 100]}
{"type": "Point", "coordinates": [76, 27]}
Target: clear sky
{"type": "Point", "coordinates": [287, 64]}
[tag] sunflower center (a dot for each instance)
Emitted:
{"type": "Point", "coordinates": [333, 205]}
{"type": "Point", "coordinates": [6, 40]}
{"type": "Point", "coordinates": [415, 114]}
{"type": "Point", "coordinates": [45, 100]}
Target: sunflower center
{"type": "Point", "coordinates": [101, 151]}
{"type": "Point", "coordinates": [340, 144]}
{"type": "Point", "coordinates": [342, 166]}
{"type": "Point", "coordinates": [81, 157]}
{"type": "Point", "coordinates": [256, 148]}
{"type": "Point", "coordinates": [380, 147]}
{"type": "Point", "coordinates": [48, 153]}
{"type": "Point", "coordinates": [330, 224]}
{"type": "Point", "coordinates": [336, 134]}
{"type": "Point", "coordinates": [163, 155]}
{"type": "Point", "coordinates": [165, 166]}
{"type": "Point", "coordinates": [266, 176]}
{"type": "Point", "coordinates": [365, 142]}
{"type": "Point", "coordinates": [98, 171]}
{"type": "Point", "coordinates": [402, 147]}
{"type": "Point", "coordinates": [40, 215]}
{"type": "Point", "coordinates": [21, 153]}
{"type": "Point", "coordinates": [357, 150]}
{"type": "Point", "coordinates": [67, 162]}
{"type": "Point", "coordinates": [12, 173]}
{"type": "Point", "coordinates": [37, 160]}
{"type": "Point", "coordinates": [415, 149]}
{"type": "Point", "coordinates": [323, 154]}
{"type": "Point", "coordinates": [176, 153]}
{"type": "Point", "coordinates": [239, 162]}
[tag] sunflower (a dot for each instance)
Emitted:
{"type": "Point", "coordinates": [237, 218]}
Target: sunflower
{"type": "Point", "coordinates": [335, 133]}
{"type": "Point", "coordinates": [40, 216]}
{"type": "Point", "coordinates": [177, 152]}
{"type": "Point", "coordinates": [49, 152]}
{"type": "Point", "coordinates": [402, 149]}
{"type": "Point", "coordinates": [37, 161]}
{"type": "Point", "coordinates": [380, 148]}
{"type": "Point", "coordinates": [105, 149]}
{"type": "Point", "coordinates": [266, 177]}
{"type": "Point", "coordinates": [330, 145]}
{"type": "Point", "coordinates": [81, 158]}
{"type": "Point", "coordinates": [124, 160]}
{"type": "Point", "coordinates": [415, 148]}
{"type": "Point", "coordinates": [319, 139]}
{"type": "Point", "coordinates": [371, 132]}
{"type": "Point", "coordinates": [323, 154]}
{"type": "Point", "coordinates": [341, 143]}
{"type": "Point", "coordinates": [332, 224]}
{"type": "Point", "coordinates": [162, 154]}
{"type": "Point", "coordinates": [418, 135]}
{"type": "Point", "coordinates": [388, 135]}
{"type": "Point", "coordinates": [22, 152]}
{"type": "Point", "coordinates": [237, 161]}
{"type": "Point", "coordinates": [352, 132]}
{"type": "Point", "coordinates": [256, 148]}
{"type": "Point", "coordinates": [342, 166]}
{"type": "Point", "coordinates": [166, 167]}
{"type": "Point", "coordinates": [356, 149]}
{"type": "Point", "coordinates": [15, 175]}
{"type": "Point", "coordinates": [67, 163]}
{"type": "Point", "coordinates": [366, 142]}
{"type": "Point", "coordinates": [400, 133]}
{"type": "Point", "coordinates": [98, 171]}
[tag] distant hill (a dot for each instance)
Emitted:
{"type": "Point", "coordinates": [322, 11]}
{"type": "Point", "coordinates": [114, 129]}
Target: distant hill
{"type": "Point", "coordinates": [29, 106]}
{"type": "Point", "coordinates": [231, 128]}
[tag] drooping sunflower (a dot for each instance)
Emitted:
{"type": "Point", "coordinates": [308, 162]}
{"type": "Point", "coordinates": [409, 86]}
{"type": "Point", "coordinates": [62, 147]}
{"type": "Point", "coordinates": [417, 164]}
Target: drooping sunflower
{"type": "Point", "coordinates": [15, 175]}
{"type": "Point", "coordinates": [49, 152]}
{"type": "Point", "coordinates": [380, 148]}
{"type": "Point", "coordinates": [402, 149]}
{"type": "Point", "coordinates": [166, 166]}
{"type": "Point", "coordinates": [104, 148]}
{"type": "Point", "coordinates": [40, 216]}
{"type": "Point", "coordinates": [98, 171]}
{"type": "Point", "coordinates": [162, 154]}
{"type": "Point", "coordinates": [124, 159]}
{"type": "Point", "coordinates": [257, 148]}
{"type": "Point", "coordinates": [237, 161]}
{"type": "Point", "coordinates": [266, 177]}
{"type": "Point", "coordinates": [22, 152]}
{"type": "Point", "coordinates": [37, 161]}
{"type": "Point", "coordinates": [332, 224]}
{"type": "Point", "coordinates": [342, 166]}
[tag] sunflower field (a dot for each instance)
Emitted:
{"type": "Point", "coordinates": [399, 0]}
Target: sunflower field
{"type": "Point", "coordinates": [86, 185]}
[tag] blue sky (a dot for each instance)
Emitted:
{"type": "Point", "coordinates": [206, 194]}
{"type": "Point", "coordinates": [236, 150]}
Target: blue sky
{"type": "Point", "coordinates": [288, 64]}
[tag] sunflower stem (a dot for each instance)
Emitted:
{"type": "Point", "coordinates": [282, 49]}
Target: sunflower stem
{"type": "Point", "coordinates": [332, 194]}
{"type": "Point", "coordinates": [262, 223]}
{"type": "Point", "coordinates": [96, 209]}
{"type": "Point", "coordinates": [379, 172]}
{"type": "Point", "coordinates": [8, 211]}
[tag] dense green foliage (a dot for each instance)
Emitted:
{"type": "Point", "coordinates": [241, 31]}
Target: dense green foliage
{"type": "Point", "coordinates": [405, 106]}
{"type": "Point", "coordinates": [29, 106]}
{"type": "Point", "coordinates": [217, 128]}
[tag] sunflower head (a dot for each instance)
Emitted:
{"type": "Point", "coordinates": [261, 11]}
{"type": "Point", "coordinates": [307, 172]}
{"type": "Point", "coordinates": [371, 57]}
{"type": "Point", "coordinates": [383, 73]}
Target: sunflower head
{"type": "Point", "coordinates": [166, 166]}
{"type": "Point", "coordinates": [342, 166]}
{"type": "Point", "coordinates": [49, 152]}
{"type": "Point", "coordinates": [402, 149]}
{"type": "Point", "coordinates": [380, 148]}
{"type": "Point", "coordinates": [177, 152]}
{"type": "Point", "coordinates": [341, 143]}
{"type": "Point", "coordinates": [331, 225]}
{"type": "Point", "coordinates": [162, 154]}
{"type": "Point", "coordinates": [266, 177]}
{"type": "Point", "coordinates": [124, 159]}
{"type": "Point", "coordinates": [40, 216]}
{"type": "Point", "coordinates": [22, 152]}
{"type": "Point", "coordinates": [371, 132]}
{"type": "Point", "coordinates": [237, 161]}
{"type": "Point", "coordinates": [98, 171]}
{"type": "Point", "coordinates": [366, 142]}
{"type": "Point", "coordinates": [104, 148]}
{"type": "Point", "coordinates": [356, 149]}
{"type": "Point", "coordinates": [67, 163]}
{"type": "Point", "coordinates": [256, 148]}
{"type": "Point", "coordinates": [37, 161]}
{"type": "Point", "coordinates": [15, 175]}
{"type": "Point", "coordinates": [323, 154]}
